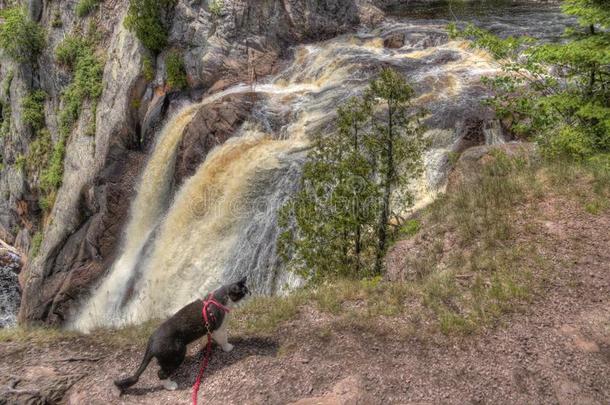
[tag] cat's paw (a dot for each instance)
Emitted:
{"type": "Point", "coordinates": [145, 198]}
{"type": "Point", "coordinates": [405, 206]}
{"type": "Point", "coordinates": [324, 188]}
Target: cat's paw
{"type": "Point", "coordinates": [227, 348]}
{"type": "Point", "coordinates": [170, 385]}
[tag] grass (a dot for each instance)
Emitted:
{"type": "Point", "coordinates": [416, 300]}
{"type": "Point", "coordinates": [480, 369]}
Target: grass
{"type": "Point", "coordinates": [148, 71]}
{"type": "Point", "coordinates": [32, 109]}
{"type": "Point", "coordinates": [475, 263]}
{"type": "Point", "coordinates": [215, 7]}
{"type": "Point", "coordinates": [176, 74]}
{"type": "Point", "coordinates": [85, 7]}
{"type": "Point", "coordinates": [37, 335]}
{"type": "Point", "coordinates": [35, 245]}
{"type": "Point", "coordinates": [127, 336]}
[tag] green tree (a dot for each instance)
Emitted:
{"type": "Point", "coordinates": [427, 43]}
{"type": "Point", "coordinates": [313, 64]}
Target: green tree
{"type": "Point", "coordinates": [337, 224]}
{"type": "Point", "coordinates": [21, 38]}
{"type": "Point", "coordinates": [398, 144]}
{"type": "Point", "coordinates": [556, 93]}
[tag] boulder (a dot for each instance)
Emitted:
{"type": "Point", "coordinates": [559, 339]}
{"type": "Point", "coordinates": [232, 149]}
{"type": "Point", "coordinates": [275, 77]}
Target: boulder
{"type": "Point", "coordinates": [394, 41]}
{"type": "Point", "coordinates": [212, 125]}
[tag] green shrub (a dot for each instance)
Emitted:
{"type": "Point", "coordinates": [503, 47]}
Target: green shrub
{"type": "Point", "coordinates": [21, 38]}
{"type": "Point", "coordinates": [216, 7]}
{"type": "Point", "coordinates": [147, 69]}
{"type": "Point", "coordinates": [33, 109]}
{"type": "Point", "coordinates": [36, 242]}
{"type": "Point", "coordinates": [84, 7]}
{"type": "Point", "coordinates": [79, 55]}
{"type": "Point", "coordinates": [148, 20]}
{"type": "Point", "coordinates": [5, 128]}
{"type": "Point", "coordinates": [52, 175]}
{"type": "Point", "coordinates": [176, 74]}
{"type": "Point", "coordinates": [20, 163]}
{"type": "Point", "coordinates": [410, 228]}
{"type": "Point", "coordinates": [56, 22]}
{"type": "Point", "coordinates": [69, 50]}
{"type": "Point", "coordinates": [39, 152]}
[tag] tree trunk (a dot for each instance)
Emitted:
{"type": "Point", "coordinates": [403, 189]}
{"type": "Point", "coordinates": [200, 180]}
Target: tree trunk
{"type": "Point", "coordinates": [382, 233]}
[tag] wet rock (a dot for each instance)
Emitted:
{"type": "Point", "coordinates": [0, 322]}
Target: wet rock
{"type": "Point", "coordinates": [35, 8]}
{"type": "Point", "coordinates": [212, 125]}
{"type": "Point", "coordinates": [10, 295]}
{"type": "Point", "coordinates": [394, 41]}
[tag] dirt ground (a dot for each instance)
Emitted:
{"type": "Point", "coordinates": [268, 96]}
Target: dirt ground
{"type": "Point", "coordinates": [557, 351]}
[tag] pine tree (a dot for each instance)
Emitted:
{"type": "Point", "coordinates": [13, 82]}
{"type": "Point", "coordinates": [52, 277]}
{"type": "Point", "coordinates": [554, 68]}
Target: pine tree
{"type": "Point", "coordinates": [556, 93]}
{"type": "Point", "coordinates": [335, 223]}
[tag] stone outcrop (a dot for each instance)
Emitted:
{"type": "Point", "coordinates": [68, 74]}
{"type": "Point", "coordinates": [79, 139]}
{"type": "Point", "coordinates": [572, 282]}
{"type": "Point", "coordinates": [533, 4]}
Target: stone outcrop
{"type": "Point", "coordinates": [211, 126]}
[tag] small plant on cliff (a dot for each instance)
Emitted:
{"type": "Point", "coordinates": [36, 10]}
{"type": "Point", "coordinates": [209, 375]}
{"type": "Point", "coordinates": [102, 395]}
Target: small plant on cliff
{"type": "Point", "coordinates": [32, 107]}
{"type": "Point", "coordinates": [35, 245]}
{"type": "Point", "coordinates": [21, 38]}
{"type": "Point", "coordinates": [148, 71]}
{"type": "Point", "coordinates": [84, 7]}
{"type": "Point", "coordinates": [216, 7]}
{"type": "Point", "coordinates": [176, 74]}
{"type": "Point", "coordinates": [79, 55]}
{"type": "Point", "coordinates": [337, 225]}
{"type": "Point", "coordinates": [148, 19]}
{"type": "Point", "coordinates": [558, 93]}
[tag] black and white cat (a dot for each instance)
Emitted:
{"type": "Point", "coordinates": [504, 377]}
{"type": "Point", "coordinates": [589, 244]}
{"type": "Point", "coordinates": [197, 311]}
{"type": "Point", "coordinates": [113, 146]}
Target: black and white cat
{"type": "Point", "coordinates": [168, 342]}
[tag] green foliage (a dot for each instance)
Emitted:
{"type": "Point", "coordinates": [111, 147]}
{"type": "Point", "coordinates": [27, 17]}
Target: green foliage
{"type": "Point", "coordinates": [558, 93]}
{"type": "Point", "coordinates": [352, 184]}
{"type": "Point", "coordinates": [148, 71]}
{"type": "Point", "coordinates": [32, 107]}
{"type": "Point", "coordinates": [148, 19]}
{"type": "Point", "coordinates": [52, 175]}
{"type": "Point", "coordinates": [79, 55]}
{"type": "Point", "coordinates": [21, 38]}
{"type": "Point", "coordinates": [39, 152]}
{"type": "Point", "coordinates": [215, 7]}
{"type": "Point", "coordinates": [20, 163]}
{"type": "Point", "coordinates": [410, 228]}
{"type": "Point", "coordinates": [36, 242]}
{"type": "Point", "coordinates": [70, 49]}
{"type": "Point", "coordinates": [5, 128]}
{"type": "Point", "coordinates": [176, 74]}
{"type": "Point", "coordinates": [56, 22]}
{"type": "Point", "coordinates": [84, 7]}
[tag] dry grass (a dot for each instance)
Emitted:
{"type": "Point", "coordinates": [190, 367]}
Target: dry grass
{"type": "Point", "coordinates": [477, 262]}
{"type": "Point", "coordinates": [39, 335]}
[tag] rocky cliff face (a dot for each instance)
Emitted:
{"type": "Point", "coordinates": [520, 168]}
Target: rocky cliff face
{"type": "Point", "coordinates": [72, 242]}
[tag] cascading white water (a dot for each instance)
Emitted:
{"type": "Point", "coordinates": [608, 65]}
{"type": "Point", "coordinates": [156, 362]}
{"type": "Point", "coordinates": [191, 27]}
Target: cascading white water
{"type": "Point", "coordinates": [222, 222]}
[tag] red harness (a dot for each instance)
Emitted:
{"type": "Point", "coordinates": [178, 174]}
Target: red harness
{"type": "Point", "coordinates": [206, 359]}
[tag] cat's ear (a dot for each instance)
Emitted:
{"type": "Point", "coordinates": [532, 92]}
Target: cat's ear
{"type": "Point", "coordinates": [243, 280]}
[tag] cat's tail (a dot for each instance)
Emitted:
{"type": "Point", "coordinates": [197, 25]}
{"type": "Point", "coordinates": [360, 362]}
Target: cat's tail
{"type": "Point", "coordinates": [129, 381]}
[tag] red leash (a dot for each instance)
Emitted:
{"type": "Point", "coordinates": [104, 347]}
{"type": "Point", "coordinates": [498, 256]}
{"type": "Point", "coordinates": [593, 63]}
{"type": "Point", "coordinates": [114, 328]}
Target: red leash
{"type": "Point", "coordinates": [206, 359]}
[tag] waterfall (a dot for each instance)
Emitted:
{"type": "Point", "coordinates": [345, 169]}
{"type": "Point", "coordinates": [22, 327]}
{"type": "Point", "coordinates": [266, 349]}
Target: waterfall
{"type": "Point", "coordinates": [222, 222]}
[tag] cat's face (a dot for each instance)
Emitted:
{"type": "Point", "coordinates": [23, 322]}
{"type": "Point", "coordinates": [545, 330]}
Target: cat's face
{"type": "Point", "coordinates": [238, 291]}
